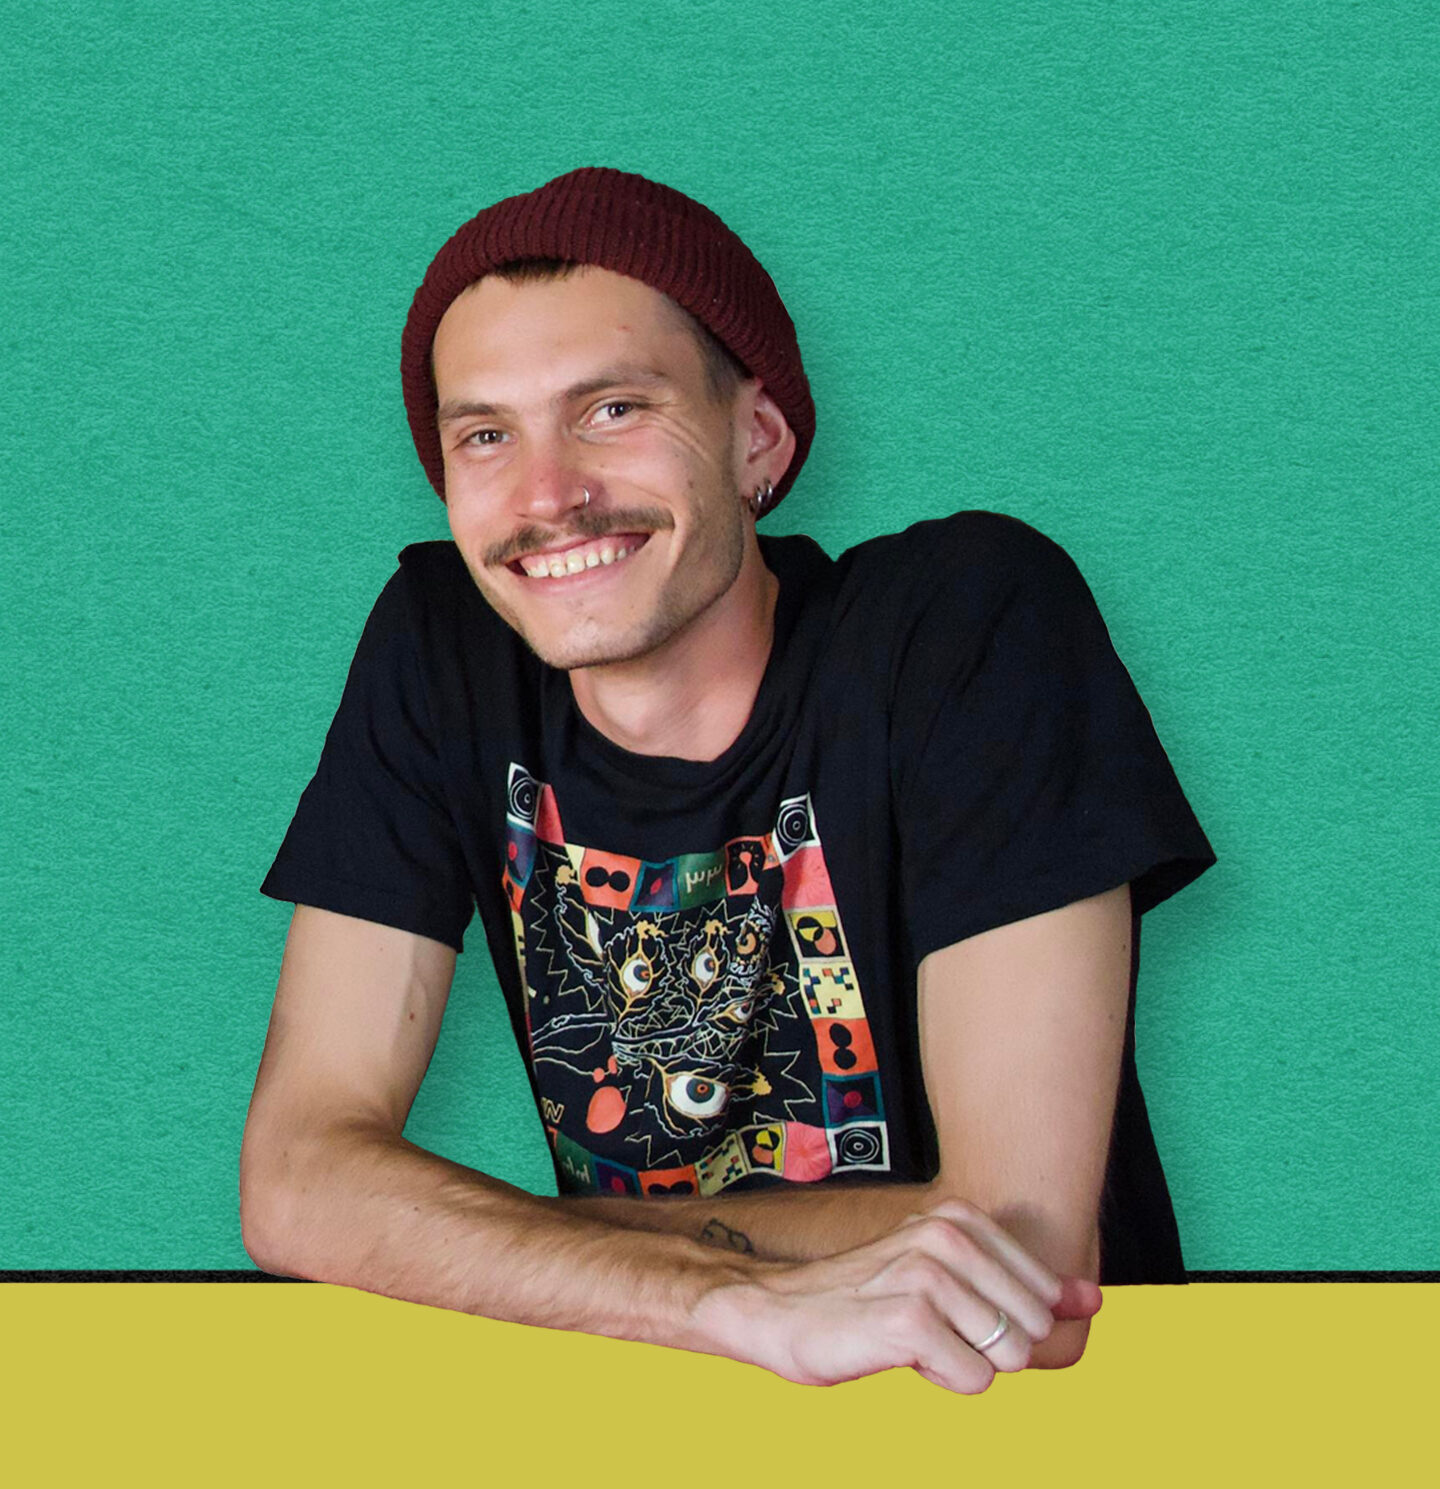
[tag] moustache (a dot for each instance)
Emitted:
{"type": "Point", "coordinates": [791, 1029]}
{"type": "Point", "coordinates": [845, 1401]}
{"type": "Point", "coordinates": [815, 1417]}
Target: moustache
{"type": "Point", "coordinates": [584, 524]}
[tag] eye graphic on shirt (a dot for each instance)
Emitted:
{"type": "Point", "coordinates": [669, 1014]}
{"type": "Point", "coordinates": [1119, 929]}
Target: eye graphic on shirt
{"type": "Point", "coordinates": [634, 966]}
{"type": "Point", "coordinates": [696, 1095]}
{"type": "Point", "coordinates": [740, 1011]}
{"type": "Point", "coordinates": [707, 964]}
{"type": "Point", "coordinates": [636, 975]}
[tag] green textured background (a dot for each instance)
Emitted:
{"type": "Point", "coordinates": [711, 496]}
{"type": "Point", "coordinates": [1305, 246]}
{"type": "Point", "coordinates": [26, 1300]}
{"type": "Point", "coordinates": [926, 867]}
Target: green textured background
{"type": "Point", "coordinates": [1158, 278]}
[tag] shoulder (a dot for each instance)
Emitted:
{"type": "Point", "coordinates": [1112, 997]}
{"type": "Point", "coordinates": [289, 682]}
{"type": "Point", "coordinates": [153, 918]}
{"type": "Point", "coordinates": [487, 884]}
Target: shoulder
{"type": "Point", "coordinates": [422, 582]}
{"type": "Point", "coordinates": [970, 544]}
{"type": "Point", "coordinates": [959, 574]}
{"type": "Point", "coordinates": [436, 587]}
{"type": "Point", "coordinates": [433, 564]}
{"type": "Point", "coordinates": [430, 613]}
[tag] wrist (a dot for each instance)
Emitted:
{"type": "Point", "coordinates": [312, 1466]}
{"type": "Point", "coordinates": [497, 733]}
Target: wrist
{"type": "Point", "coordinates": [732, 1316]}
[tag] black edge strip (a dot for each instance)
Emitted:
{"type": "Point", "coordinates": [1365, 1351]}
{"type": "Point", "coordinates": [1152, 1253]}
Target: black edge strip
{"type": "Point", "coordinates": [1314, 1276]}
{"type": "Point", "coordinates": [198, 1276]}
{"type": "Point", "coordinates": [59, 1276]}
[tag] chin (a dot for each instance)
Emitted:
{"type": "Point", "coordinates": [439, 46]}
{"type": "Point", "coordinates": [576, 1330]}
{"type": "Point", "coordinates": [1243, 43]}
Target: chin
{"type": "Point", "coordinates": [573, 653]}
{"type": "Point", "coordinates": [590, 642]}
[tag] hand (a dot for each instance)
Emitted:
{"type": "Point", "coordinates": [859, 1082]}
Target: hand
{"type": "Point", "coordinates": [925, 1295]}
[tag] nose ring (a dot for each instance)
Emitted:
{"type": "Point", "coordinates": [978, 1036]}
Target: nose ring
{"type": "Point", "coordinates": [586, 502]}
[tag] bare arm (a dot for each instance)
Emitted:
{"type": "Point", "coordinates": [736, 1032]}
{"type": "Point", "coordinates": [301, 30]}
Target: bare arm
{"type": "Point", "coordinates": [791, 1223]}
{"type": "Point", "coordinates": [1021, 1036]}
{"type": "Point", "coordinates": [331, 1190]}
{"type": "Point", "coordinates": [1022, 1030]}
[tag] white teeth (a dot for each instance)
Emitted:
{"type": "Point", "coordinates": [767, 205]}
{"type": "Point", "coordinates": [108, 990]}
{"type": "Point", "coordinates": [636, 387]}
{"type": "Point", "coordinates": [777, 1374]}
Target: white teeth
{"type": "Point", "coordinates": [559, 565]}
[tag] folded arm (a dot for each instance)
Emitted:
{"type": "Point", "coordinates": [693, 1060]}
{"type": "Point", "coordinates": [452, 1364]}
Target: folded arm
{"type": "Point", "coordinates": [1021, 1030]}
{"type": "Point", "coordinates": [331, 1190]}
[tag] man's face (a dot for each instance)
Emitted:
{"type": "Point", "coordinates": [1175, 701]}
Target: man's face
{"type": "Point", "coordinates": [596, 382]}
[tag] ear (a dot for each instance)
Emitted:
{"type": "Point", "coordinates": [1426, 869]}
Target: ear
{"type": "Point", "coordinates": [769, 441]}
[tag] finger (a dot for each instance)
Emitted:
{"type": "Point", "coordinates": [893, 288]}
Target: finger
{"type": "Point", "coordinates": [936, 1351]}
{"type": "Point", "coordinates": [988, 1330]}
{"type": "Point", "coordinates": [1081, 1298]}
{"type": "Point", "coordinates": [970, 1263]}
{"type": "Point", "coordinates": [1033, 1272]}
{"type": "Point", "coordinates": [1074, 1297]}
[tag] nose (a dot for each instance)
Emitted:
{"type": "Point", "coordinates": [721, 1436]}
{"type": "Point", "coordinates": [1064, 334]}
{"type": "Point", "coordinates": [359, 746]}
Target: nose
{"type": "Point", "coordinates": [549, 484]}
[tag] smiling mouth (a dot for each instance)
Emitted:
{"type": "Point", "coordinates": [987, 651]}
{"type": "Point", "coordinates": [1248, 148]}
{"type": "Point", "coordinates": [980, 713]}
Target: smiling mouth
{"type": "Point", "coordinates": [590, 553]}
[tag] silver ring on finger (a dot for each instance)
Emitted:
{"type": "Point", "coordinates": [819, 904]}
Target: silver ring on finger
{"type": "Point", "coordinates": [1000, 1331]}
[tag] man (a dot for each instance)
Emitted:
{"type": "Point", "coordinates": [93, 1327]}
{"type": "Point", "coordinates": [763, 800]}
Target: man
{"type": "Point", "coordinates": [755, 836]}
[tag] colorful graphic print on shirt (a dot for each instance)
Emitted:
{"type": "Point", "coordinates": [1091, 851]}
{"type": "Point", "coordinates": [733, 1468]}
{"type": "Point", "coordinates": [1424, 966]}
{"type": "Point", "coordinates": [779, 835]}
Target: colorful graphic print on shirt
{"type": "Point", "coordinates": [695, 1021]}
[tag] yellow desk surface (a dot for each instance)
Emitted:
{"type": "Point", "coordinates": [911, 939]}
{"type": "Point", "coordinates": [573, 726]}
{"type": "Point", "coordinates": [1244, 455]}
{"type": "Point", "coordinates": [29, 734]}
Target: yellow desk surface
{"type": "Point", "coordinates": [213, 1383]}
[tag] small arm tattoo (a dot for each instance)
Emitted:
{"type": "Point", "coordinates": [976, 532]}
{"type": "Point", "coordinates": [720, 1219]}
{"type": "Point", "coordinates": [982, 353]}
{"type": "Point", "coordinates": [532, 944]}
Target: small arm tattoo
{"type": "Point", "coordinates": [717, 1233]}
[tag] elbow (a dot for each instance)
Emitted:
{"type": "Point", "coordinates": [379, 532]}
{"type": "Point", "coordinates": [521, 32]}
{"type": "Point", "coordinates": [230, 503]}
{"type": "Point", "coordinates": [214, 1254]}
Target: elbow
{"type": "Point", "coordinates": [1062, 1347]}
{"type": "Point", "coordinates": [265, 1232]}
{"type": "Point", "coordinates": [262, 1242]}
{"type": "Point", "coordinates": [261, 1237]}
{"type": "Point", "coordinates": [295, 1193]}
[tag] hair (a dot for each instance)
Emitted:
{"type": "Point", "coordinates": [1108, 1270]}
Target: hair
{"type": "Point", "coordinates": [724, 371]}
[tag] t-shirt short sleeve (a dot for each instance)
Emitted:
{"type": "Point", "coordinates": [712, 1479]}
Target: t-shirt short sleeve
{"type": "Point", "coordinates": [373, 836]}
{"type": "Point", "coordinates": [1027, 773]}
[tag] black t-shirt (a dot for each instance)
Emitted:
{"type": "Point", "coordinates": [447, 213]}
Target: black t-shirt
{"type": "Point", "coordinates": [711, 967]}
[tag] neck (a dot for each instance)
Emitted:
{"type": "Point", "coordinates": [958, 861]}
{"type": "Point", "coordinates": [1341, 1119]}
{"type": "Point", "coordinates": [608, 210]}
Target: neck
{"type": "Point", "coordinates": [692, 698]}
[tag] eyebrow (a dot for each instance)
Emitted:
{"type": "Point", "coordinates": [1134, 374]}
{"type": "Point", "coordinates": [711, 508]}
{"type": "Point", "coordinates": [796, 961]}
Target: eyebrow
{"type": "Point", "coordinates": [608, 377]}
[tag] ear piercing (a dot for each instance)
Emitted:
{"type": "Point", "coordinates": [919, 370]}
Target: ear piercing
{"type": "Point", "coordinates": [760, 502]}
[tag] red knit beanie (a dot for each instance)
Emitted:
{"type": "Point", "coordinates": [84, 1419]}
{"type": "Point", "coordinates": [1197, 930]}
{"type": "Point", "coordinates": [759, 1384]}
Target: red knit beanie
{"type": "Point", "coordinates": [635, 227]}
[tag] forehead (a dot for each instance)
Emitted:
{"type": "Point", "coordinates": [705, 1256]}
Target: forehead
{"type": "Point", "coordinates": [557, 326]}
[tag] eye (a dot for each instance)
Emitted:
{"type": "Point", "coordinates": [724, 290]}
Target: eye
{"type": "Point", "coordinates": [483, 437]}
{"type": "Point", "coordinates": [614, 410]}
{"type": "Point", "coordinates": [696, 1095]}
{"type": "Point", "coordinates": [740, 1010]}
{"type": "Point", "coordinates": [635, 975]}
{"type": "Point", "coordinates": [705, 968]}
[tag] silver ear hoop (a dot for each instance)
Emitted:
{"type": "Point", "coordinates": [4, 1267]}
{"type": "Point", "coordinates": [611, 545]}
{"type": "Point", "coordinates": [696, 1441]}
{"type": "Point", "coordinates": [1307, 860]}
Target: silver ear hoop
{"type": "Point", "coordinates": [759, 504]}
